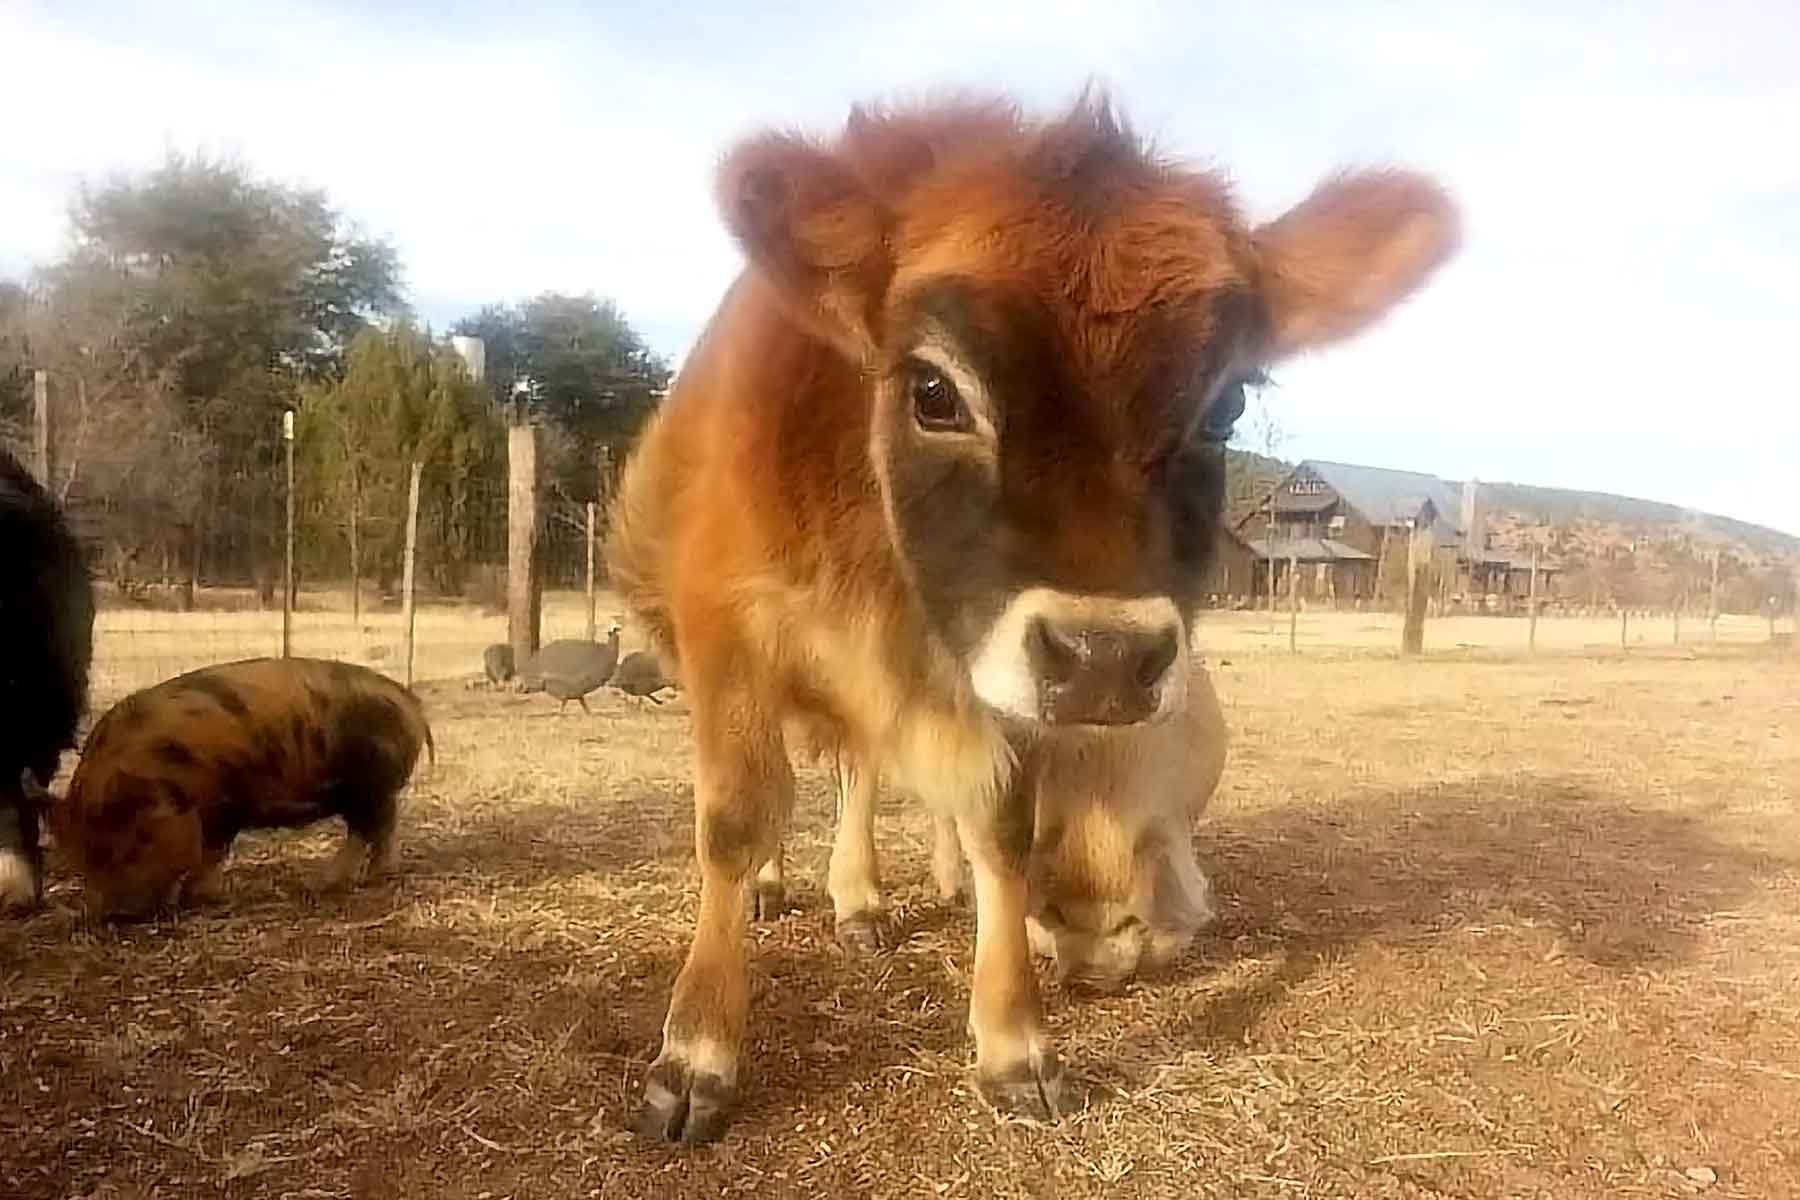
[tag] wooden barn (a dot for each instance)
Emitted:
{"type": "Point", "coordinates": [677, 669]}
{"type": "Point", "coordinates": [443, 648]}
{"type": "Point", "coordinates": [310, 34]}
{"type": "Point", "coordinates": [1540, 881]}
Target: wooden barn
{"type": "Point", "coordinates": [1347, 529]}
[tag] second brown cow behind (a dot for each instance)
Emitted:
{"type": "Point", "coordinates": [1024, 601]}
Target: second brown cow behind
{"type": "Point", "coordinates": [1116, 891]}
{"type": "Point", "coordinates": [172, 774]}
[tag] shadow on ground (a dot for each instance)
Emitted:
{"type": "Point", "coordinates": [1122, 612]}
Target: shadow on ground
{"type": "Point", "coordinates": [1623, 884]}
{"type": "Point", "coordinates": [394, 1016]}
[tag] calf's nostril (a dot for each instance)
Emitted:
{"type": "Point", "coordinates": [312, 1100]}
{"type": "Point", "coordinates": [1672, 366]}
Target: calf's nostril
{"type": "Point", "coordinates": [1156, 655]}
{"type": "Point", "coordinates": [1056, 655]}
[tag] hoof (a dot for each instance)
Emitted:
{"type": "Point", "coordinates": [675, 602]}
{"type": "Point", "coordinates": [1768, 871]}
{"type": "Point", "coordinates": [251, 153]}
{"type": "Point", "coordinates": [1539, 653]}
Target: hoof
{"type": "Point", "coordinates": [1040, 1092]}
{"type": "Point", "coordinates": [770, 900]}
{"type": "Point", "coordinates": [862, 933]}
{"type": "Point", "coordinates": [683, 1106]}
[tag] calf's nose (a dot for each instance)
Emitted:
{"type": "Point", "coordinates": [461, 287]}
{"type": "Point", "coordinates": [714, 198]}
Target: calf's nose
{"type": "Point", "coordinates": [1099, 675]}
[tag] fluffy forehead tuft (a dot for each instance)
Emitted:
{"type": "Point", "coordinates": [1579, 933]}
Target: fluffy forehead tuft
{"type": "Point", "coordinates": [1076, 210]}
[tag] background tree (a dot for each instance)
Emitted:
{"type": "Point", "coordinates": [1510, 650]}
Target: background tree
{"type": "Point", "coordinates": [1625, 584]}
{"type": "Point", "coordinates": [1251, 477]}
{"type": "Point", "coordinates": [589, 373]}
{"type": "Point", "coordinates": [194, 303]}
{"type": "Point", "coordinates": [404, 397]}
{"type": "Point", "coordinates": [15, 377]}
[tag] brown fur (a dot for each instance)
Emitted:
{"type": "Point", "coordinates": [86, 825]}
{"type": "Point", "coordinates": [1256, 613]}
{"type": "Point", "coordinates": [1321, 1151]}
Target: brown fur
{"type": "Point", "coordinates": [171, 774]}
{"type": "Point", "coordinates": [809, 547]}
{"type": "Point", "coordinates": [1116, 889]}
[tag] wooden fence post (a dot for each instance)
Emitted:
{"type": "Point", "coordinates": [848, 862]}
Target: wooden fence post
{"type": "Point", "coordinates": [1712, 607]}
{"type": "Point", "coordinates": [1418, 587]}
{"type": "Point", "coordinates": [1269, 548]}
{"type": "Point", "coordinates": [1381, 553]}
{"type": "Point", "coordinates": [1531, 627]}
{"type": "Point", "coordinates": [287, 569]}
{"type": "Point", "coordinates": [356, 549]}
{"type": "Point", "coordinates": [524, 594]}
{"type": "Point", "coordinates": [1624, 626]}
{"type": "Point", "coordinates": [1794, 611]}
{"type": "Point", "coordinates": [1293, 604]}
{"type": "Point", "coordinates": [40, 428]}
{"type": "Point", "coordinates": [591, 522]}
{"type": "Point", "coordinates": [408, 578]}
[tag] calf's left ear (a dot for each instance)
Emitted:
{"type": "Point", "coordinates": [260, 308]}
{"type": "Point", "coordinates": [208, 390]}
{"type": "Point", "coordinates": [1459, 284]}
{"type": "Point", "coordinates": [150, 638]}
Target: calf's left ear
{"type": "Point", "coordinates": [1337, 261]}
{"type": "Point", "coordinates": [807, 224]}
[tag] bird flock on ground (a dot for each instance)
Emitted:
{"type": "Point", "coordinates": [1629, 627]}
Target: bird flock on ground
{"type": "Point", "coordinates": [574, 668]}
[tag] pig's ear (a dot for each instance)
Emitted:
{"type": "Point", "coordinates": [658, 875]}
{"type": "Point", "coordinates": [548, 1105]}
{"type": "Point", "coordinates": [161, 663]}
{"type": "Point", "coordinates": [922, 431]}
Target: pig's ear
{"type": "Point", "coordinates": [807, 224]}
{"type": "Point", "coordinates": [1337, 261]}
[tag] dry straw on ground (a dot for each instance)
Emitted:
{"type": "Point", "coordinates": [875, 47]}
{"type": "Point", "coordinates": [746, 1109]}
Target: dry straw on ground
{"type": "Point", "coordinates": [1491, 926]}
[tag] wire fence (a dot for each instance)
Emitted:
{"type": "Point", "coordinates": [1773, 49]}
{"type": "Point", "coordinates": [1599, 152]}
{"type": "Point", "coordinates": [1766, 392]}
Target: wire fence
{"type": "Point", "coordinates": [187, 549]}
{"type": "Point", "coordinates": [187, 545]}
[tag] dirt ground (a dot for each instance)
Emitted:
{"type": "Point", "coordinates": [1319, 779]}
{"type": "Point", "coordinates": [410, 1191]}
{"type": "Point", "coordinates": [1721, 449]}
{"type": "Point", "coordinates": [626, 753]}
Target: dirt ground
{"type": "Point", "coordinates": [1491, 926]}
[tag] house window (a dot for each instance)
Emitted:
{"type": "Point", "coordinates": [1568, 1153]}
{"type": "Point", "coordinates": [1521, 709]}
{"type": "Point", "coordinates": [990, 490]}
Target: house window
{"type": "Point", "coordinates": [1307, 487]}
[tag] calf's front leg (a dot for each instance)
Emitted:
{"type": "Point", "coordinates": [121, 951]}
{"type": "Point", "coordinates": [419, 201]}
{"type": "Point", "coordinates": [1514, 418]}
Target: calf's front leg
{"type": "Point", "coordinates": [743, 790]}
{"type": "Point", "coordinates": [1016, 1069]}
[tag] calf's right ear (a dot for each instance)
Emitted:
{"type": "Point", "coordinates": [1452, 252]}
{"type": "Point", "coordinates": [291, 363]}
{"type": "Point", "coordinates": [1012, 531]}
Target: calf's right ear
{"type": "Point", "coordinates": [1358, 245]}
{"type": "Point", "coordinates": [808, 225]}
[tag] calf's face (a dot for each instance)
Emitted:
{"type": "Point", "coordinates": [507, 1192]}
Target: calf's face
{"type": "Point", "coordinates": [1056, 340]}
{"type": "Point", "coordinates": [1054, 514]}
{"type": "Point", "coordinates": [1115, 899]}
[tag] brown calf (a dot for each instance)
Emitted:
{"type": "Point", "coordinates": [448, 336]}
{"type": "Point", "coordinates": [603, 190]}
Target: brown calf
{"type": "Point", "coordinates": [1116, 891]}
{"type": "Point", "coordinates": [172, 774]}
{"type": "Point", "coordinates": [945, 470]}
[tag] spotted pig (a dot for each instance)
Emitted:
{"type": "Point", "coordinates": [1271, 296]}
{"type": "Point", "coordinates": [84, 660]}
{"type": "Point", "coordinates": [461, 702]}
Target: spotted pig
{"type": "Point", "coordinates": [172, 774]}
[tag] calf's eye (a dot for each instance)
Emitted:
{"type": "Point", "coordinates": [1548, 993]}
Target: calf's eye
{"type": "Point", "coordinates": [1222, 416]}
{"type": "Point", "coordinates": [937, 405]}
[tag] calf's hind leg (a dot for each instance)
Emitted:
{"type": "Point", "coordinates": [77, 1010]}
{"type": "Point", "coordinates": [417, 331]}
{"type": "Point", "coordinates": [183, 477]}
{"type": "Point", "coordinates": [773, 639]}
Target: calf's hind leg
{"type": "Point", "coordinates": [854, 879]}
{"type": "Point", "coordinates": [744, 787]}
{"type": "Point", "coordinates": [771, 887]}
{"type": "Point", "coordinates": [946, 858]}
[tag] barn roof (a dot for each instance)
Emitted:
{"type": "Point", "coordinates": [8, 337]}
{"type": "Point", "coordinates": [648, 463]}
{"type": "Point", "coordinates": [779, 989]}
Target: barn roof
{"type": "Point", "coordinates": [1306, 550]}
{"type": "Point", "coordinates": [1389, 497]}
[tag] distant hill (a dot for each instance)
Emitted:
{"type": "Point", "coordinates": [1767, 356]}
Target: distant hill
{"type": "Point", "coordinates": [1606, 547]}
{"type": "Point", "coordinates": [1560, 506]}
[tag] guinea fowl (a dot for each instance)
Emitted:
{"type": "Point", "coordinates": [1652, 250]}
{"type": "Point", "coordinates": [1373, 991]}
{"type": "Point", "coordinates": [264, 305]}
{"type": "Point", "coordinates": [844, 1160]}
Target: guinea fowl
{"type": "Point", "coordinates": [640, 673]}
{"type": "Point", "coordinates": [571, 668]}
{"type": "Point", "coordinates": [497, 662]}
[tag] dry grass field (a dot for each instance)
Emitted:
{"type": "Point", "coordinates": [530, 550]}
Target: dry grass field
{"type": "Point", "coordinates": [1491, 926]}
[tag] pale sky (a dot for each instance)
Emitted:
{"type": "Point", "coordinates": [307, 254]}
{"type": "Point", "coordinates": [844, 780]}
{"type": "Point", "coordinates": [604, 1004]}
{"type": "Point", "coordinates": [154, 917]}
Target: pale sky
{"type": "Point", "coordinates": [1622, 317]}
